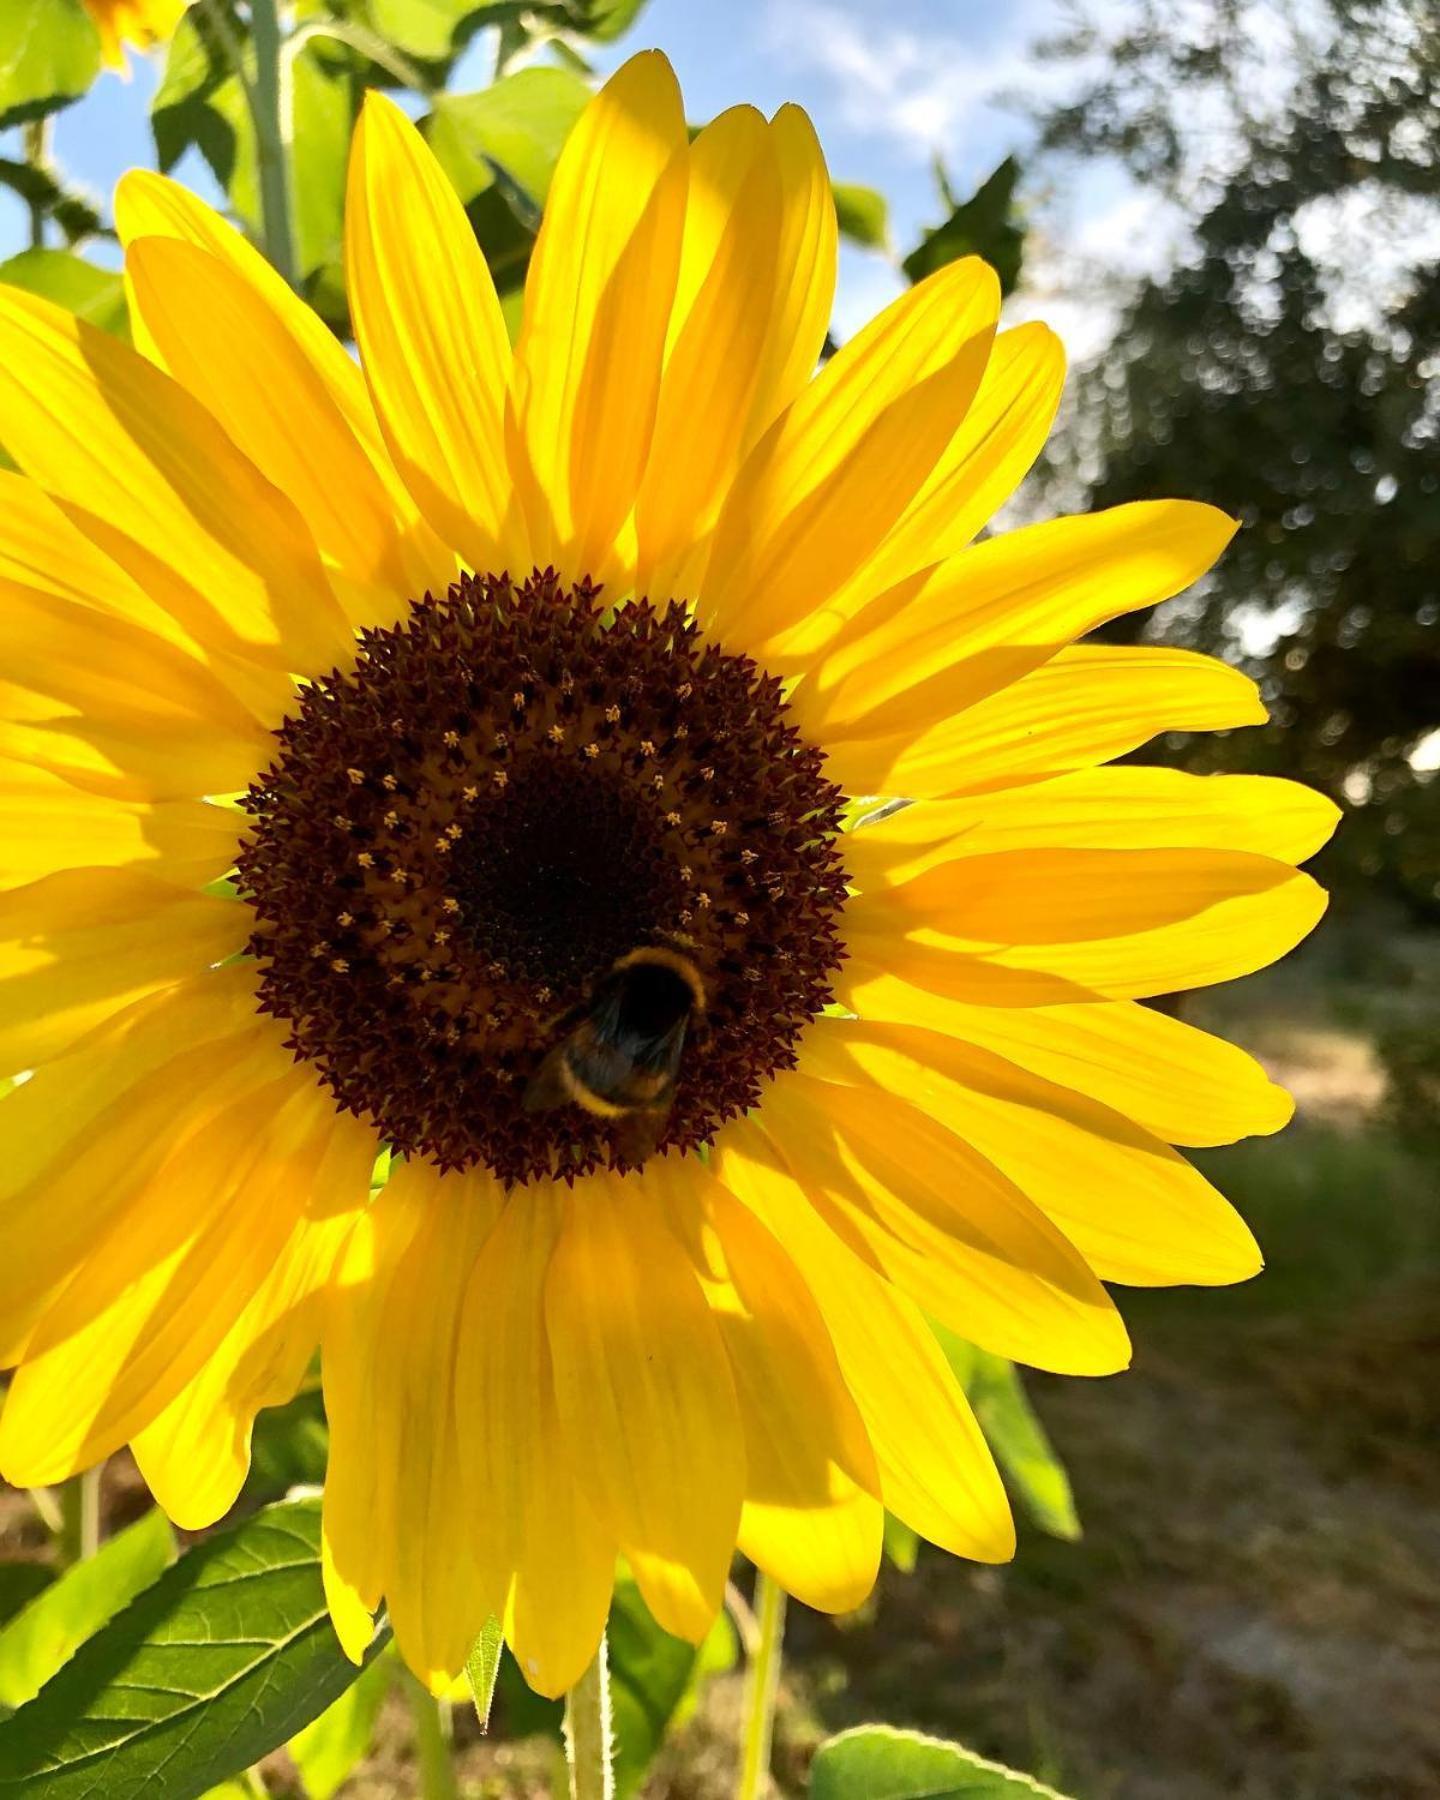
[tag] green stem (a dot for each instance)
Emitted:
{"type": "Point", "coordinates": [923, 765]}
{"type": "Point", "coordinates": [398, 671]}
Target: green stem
{"type": "Point", "coordinates": [368, 43]}
{"type": "Point", "coordinates": [271, 108]}
{"type": "Point", "coordinates": [432, 1743]}
{"type": "Point", "coordinates": [80, 1517]}
{"type": "Point", "coordinates": [587, 1732]}
{"type": "Point", "coordinates": [37, 154]}
{"type": "Point", "coordinates": [52, 1514]}
{"type": "Point", "coordinates": [761, 1688]}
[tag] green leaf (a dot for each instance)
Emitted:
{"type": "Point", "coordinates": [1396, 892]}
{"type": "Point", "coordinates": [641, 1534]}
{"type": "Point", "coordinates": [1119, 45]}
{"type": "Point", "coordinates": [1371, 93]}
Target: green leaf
{"type": "Point", "coordinates": [327, 99]}
{"type": "Point", "coordinates": [53, 1626]}
{"type": "Point", "coordinates": [652, 1676]}
{"type": "Point", "coordinates": [1023, 1450]}
{"type": "Point", "coordinates": [436, 30]}
{"type": "Point", "coordinates": [517, 129]}
{"type": "Point", "coordinates": [606, 20]}
{"type": "Point", "coordinates": [288, 1448]}
{"type": "Point", "coordinates": [330, 1747]}
{"type": "Point", "coordinates": [40, 187]}
{"type": "Point", "coordinates": [199, 101]}
{"type": "Point", "coordinates": [876, 1762]}
{"type": "Point", "coordinates": [230, 1653]}
{"type": "Point", "coordinates": [902, 1544]}
{"type": "Point", "coordinates": [985, 225]}
{"type": "Point", "coordinates": [49, 55]}
{"type": "Point", "coordinates": [90, 293]}
{"type": "Point", "coordinates": [20, 1582]}
{"type": "Point", "coordinates": [499, 148]}
{"type": "Point", "coordinates": [481, 1668]}
{"type": "Point", "coordinates": [863, 213]}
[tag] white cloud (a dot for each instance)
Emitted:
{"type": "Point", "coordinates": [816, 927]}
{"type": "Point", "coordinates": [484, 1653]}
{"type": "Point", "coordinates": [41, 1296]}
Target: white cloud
{"type": "Point", "coordinates": [920, 90]}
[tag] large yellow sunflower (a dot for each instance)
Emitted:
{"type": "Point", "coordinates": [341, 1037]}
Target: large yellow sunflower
{"type": "Point", "coordinates": [143, 23]}
{"type": "Point", "coordinates": [271, 615]}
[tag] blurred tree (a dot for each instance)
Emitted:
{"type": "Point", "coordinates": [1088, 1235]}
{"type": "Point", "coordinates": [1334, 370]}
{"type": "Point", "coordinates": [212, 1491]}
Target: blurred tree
{"type": "Point", "coordinates": [1287, 368]}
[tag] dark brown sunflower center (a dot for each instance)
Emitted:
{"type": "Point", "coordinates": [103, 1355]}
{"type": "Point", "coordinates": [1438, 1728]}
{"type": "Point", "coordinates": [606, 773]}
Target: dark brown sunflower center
{"type": "Point", "coordinates": [508, 793]}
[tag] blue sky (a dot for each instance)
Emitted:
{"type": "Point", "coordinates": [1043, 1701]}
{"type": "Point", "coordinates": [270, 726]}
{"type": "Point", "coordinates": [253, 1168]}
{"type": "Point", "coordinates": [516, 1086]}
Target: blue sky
{"type": "Point", "coordinates": [888, 83]}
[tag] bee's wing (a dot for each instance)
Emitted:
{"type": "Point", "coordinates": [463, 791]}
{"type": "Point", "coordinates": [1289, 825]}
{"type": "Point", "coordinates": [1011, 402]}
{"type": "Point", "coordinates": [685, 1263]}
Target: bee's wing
{"type": "Point", "coordinates": [547, 1087]}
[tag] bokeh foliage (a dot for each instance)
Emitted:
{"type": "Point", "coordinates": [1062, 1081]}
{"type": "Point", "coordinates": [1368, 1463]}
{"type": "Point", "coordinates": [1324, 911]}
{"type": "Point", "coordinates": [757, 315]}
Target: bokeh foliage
{"type": "Point", "coordinates": [1287, 367]}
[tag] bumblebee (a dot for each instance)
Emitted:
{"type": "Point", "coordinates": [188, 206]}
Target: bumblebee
{"type": "Point", "coordinates": [620, 1056]}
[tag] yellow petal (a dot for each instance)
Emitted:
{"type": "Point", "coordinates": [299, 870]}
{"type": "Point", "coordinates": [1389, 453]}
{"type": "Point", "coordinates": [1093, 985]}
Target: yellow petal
{"type": "Point", "coordinates": [432, 341]}
{"type": "Point", "coordinates": [980, 620]}
{"type": "Point", "coordinates": [89, 1129]}
{"type": "Point", "coordinates": [986, 459]}
{"type": "Point", "coordinates": [43, 553]}
{"type": "Point", "coordinates": [503, 1375]}
{"type": "Point", "coordinates": [597, 308]}
{"type": "Point", "coordinates": [151, 205]}
{"type": "Point", "coordinates": [1100, 809]}
{"type": "Point", "coordinates": [543, 1552]}
{"type": "Point", "coordinates": [150, 477]}
{"type": "Point", "coordinates": [221, 340]}
{"type": "Point", "coordinates": [1136, 1211]}
{"type": "Point", "coordinates": [436, 1601]}
{"type": "Point", "coordinates": [936, 1470]}
{"type": "Point", "coordinates": [757, 272]}
{"type": "Point", "coordinates": [359, 1521]}
{"type": "Point", "coordinates": [41, 550]}
{"type": "Point", "coordinates": [146, 708]}
{"type": "Point", "coordinates": [196, 1454]}
{"type": "Point", "coordinates": [77, 946]}
{"type": "Point", "coordinates": [1170, 1078]}
{"type": "Point", "coordinates": [809, 239]}
{"type": "Point", "coordinates": [1088, 704]}
{"type": "Point", "coordinates": [1122, 924]}
{"type": "Point", "coordinates": [811, 1518]}
{"type": "Point", "coordinates": [560, 1596]}
{"type": "Point", "coordinates": [100, 1369]}
{"type": "Point", "coordinates": [645, 1394]}
{"type": "Point", "coordinates": [46, 825]}
{"type": "Point", "coordinates": [819, 492]}
{"type": "Point", "coordinates": [945, 1226]}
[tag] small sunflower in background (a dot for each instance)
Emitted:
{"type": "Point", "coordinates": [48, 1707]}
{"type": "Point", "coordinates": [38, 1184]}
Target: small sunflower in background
{"type": "Point", "coordinates": [143, 23]}
{"type": "Point", "coordinates": [570, 881]}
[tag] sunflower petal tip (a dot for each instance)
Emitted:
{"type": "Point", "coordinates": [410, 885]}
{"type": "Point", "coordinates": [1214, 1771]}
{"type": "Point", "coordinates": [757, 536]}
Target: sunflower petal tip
{"type": "Point", "coordinates": [1283, 1104]}
{"type": "Point", "coordinates": [378, 108]}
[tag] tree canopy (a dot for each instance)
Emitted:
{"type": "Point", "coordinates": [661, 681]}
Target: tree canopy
{"type": "Point", "coordinates": [1287, 367]}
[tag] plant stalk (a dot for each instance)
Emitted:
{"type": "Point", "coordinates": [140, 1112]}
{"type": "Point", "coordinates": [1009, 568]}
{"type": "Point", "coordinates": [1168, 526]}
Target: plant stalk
{"type": "Point", "coordinates": [368, 43]}
{"type": "Point", "coordinates": [80, 1517]}
{"type": "Point", "coordinates": [37, 154]}
{"type": "Point", "coordinates": [432, 1743]}
{"type": "Point", "coordinates": [271, 96]}
{"type": "Point", "coordinates": [761, 1687]}
{"type": "Point", "coordinates": [587, 1732]}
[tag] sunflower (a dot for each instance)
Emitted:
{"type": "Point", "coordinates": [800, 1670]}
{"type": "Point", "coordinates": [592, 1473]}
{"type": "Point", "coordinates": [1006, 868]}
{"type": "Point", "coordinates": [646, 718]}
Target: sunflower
{"type": "Point", "coordinates": [367, 724]}
{"type": "Point", "coordinates": [143, 23]}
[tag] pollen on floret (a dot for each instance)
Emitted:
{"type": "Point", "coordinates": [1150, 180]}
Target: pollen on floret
{"type": "Point", "coordinates": [543, 809]}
